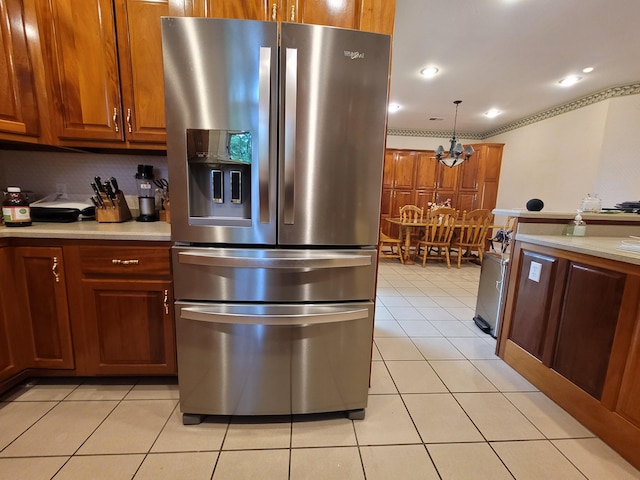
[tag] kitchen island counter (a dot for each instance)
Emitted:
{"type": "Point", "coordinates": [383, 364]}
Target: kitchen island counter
{"type": "Point", "coordinates": [92, 230]}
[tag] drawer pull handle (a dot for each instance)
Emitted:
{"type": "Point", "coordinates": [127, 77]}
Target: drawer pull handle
{"type": "Point", "coordinates": [54, 270]}
{"type": "Point", "coordinates": [274, 10]}
{"type": "Point", "coordinates": [165, 302]}
{"type": "Point", "coordinates": [115, 120]}
{"type": "Point", "coordinates": [117, 261]}
{"type": "Point", "coordinates": [293, 13]}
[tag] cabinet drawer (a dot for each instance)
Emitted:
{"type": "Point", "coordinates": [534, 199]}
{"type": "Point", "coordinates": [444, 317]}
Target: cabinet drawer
{"type": "Point", "coordinates": [125, 260]}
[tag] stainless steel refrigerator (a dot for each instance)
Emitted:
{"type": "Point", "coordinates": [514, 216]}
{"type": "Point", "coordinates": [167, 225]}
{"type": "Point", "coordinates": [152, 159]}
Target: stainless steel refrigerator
{"type": "Point", "coordinates": [275, 144]}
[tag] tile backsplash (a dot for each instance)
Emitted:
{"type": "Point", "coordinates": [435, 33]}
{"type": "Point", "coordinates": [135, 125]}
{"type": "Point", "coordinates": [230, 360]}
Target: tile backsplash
{"type": "Point", "coordinates": [42, 172]}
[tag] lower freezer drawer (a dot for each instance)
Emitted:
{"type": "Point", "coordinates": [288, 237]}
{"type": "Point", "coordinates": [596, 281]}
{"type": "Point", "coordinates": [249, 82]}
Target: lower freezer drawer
{"type": "Point", "coordinates": [239, 359]}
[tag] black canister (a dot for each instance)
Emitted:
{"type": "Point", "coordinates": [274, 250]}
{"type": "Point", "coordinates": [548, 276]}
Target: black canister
{"type": "Point", "coordinates": [15, 208]}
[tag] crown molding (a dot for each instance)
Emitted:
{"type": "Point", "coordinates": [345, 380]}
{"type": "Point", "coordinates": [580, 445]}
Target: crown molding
{"type": "Point", "coordinates": [620, 91]}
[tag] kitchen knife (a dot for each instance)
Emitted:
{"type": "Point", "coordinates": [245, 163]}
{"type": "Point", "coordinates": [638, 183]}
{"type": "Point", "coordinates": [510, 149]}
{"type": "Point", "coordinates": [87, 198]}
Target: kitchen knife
{"type": "Point", "coordinates": [98, 196]}
{"type": "Point", "coordinates": [99, 184]}
{"type": "Point", "coordinates": [109, 192]}
{"type": "Point", "coordinates": [114, 182]}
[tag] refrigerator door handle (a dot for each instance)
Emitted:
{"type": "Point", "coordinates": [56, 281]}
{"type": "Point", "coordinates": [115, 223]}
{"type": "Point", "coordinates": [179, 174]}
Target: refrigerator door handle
{"type": "Point", "coordinates": [203, 314]}
{"type": "Point", "coordinates": [290, 107]}
{"type": "Point", "coordinates": [264, 132]}
{"type": "Point", "coordinates": [316, 262]}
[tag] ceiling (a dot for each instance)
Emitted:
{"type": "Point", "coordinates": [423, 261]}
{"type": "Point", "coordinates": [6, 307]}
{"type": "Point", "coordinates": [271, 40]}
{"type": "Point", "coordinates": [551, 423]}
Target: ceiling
{"type": "Point", "coordinates": [506, 54]}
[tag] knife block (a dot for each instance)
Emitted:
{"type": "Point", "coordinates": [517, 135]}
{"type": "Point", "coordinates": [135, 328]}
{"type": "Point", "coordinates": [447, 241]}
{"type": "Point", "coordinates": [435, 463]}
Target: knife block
{"type": "Point", "coordinates": [119, 212]}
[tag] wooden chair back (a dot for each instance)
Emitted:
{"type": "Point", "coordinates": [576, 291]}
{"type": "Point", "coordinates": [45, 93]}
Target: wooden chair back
{"type": "Point", "coordinates": [411, 214]}
{"type": "Point", "coordinates": [472, 234]}
{"type": "Point", "coordinates": [438, 233]}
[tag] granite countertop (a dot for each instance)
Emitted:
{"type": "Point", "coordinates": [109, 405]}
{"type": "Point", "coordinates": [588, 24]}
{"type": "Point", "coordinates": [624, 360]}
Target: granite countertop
{"type": "Point", "coordinates": [597, 246]}
{"type": "Point", "coordinates": [92, 230]}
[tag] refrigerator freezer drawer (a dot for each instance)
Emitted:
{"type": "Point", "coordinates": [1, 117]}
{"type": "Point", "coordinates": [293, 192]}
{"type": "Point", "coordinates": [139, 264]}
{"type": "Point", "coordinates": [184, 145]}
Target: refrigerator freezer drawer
{"type": "Point", "coordinates": [273, 359]}
{"type": "Point", "coordinates": [273, 275]}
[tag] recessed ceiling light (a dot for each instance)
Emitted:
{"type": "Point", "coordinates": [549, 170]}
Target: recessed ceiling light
{"type": "Point", "coordinates": [570, 80]}
{"type": "Point", "coordinates": [494, 112]}
{"type": "Point", "coordinates": [429, 72]}
{"type": "Point", "coordinates": [587, 70]}
{"type": "Point", "coordinates": [393, 107]}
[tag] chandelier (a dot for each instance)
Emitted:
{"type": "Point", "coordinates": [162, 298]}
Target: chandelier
{"type": "Point", "coordinates": [456, 155]}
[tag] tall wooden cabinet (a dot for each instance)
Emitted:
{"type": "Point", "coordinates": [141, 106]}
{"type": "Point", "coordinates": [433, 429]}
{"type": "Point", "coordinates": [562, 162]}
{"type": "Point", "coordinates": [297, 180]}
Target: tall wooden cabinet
{"type": "Point", "coordinates": [18, 105]}
{"type": "Point", "coordinates": [416, 177]}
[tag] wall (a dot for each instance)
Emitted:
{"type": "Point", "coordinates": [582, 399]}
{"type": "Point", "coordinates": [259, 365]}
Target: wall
{"type": "Point", "coordinates": [41, 172]}
{"type": "Point", "coordinates": [593, 149]}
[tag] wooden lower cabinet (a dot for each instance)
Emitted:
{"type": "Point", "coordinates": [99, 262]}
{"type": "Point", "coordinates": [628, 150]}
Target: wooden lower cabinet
{"type": "Point", "coordinates": [129, 326]}
{"type": "Point", "coordinates": [9, 362]}
{"type": "Point", "coordinates": [41, 293]}
{"type": "Point", "coordinates": [572, 327]}
{"type": "Point", "coordinates": [125, 320]}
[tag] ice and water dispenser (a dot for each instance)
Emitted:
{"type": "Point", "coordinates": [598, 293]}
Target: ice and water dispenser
{"type": "Point", "coordinates": [219, 171]}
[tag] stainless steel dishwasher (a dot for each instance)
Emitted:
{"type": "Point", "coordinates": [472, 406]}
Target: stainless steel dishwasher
{"type": "Point", "coordinates": [490, 292]}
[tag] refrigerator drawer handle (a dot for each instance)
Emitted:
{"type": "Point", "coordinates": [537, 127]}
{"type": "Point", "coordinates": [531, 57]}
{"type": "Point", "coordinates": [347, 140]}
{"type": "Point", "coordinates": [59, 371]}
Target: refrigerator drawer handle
{"type": "Point", "coordinates": [204, 315]}
{"type": "Point", "coordinates": [290, 108]}
{"type": "Point", "coordinates": [264, 133]}
{"type": "Point", "coordinates": [213, 260]}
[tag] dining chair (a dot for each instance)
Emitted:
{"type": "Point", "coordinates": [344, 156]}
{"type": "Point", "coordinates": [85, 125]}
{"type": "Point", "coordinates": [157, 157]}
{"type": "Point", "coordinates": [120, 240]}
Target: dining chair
{"type": "Point", "coordinates": [472, 234]}
{"type": "Point", "coordinates": [390, 242]}
{"type": "Point", "coordinates": [437, 238]}
{"type": "Point", "coordinates": [412, 214]}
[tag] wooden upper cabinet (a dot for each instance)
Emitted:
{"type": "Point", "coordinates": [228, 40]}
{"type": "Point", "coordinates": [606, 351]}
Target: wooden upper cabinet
{"type": "Point", "coordinates": [243, 10]}
{"type": "Point", "coordinates": [427, 170]}
{"type": "Point", "coordinates": [105, 63]}
{"type": "Point", "coordinates": [141, 69]}
{"type": "Point", "coordinates": [80, 45]}
{"type": "Point", "coordinates": [18, 106]}
{"type": "Point", "coordinates": [368, 15]}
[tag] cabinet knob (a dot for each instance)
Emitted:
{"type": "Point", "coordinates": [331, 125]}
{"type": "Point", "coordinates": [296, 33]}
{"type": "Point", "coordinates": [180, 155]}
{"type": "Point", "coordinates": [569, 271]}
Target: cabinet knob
{"type": "Point", "coordinates": [165, 302]}
{"type": "Point", "coordinates": [54, 270]}
{"type": "Point", "coordinates": [115, 120]}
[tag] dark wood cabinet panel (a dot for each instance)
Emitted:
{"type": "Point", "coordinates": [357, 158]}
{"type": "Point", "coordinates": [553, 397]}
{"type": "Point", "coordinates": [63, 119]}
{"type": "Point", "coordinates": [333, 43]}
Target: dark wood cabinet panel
{"type": "Point", "coordinates": [533, 310]}
{"type": "Point", "coordinates": [587, 325]}
{"type": "Point", "coordinates": [18, 105]}
{"type": "Point", "coordinates": [42, 295]}
{"type": "Point", "coordinates": [9, 363]}
{"type": "Point", "coordinates": [629, 399]}
{"type": "Point", "coordinates": [129, 323]}
{"type": "Point", "coordinates": [244, 10]}
{"type": "Point", "coordinates": [426, 171]}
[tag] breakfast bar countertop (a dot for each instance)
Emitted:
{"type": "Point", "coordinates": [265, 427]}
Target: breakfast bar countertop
{"type": "Point", "coordinates": [92, 230]}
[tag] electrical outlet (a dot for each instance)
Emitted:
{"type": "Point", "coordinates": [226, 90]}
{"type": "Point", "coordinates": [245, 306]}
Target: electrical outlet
{"type": "Point", "coordinates": [61, 190]}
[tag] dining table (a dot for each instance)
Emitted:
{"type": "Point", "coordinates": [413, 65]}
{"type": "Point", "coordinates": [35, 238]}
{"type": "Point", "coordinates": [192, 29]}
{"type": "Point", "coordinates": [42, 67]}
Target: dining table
{"type": "Point", "coordinates": [407, 230]}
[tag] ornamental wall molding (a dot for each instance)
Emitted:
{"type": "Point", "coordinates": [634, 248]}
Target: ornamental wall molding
{"type": "Point", "coordinates": [621, 91]}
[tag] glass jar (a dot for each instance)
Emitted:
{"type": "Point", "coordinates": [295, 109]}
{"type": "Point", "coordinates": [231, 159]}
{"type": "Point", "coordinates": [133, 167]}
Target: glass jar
{"type": "Point", "coordinates": [15, 208]}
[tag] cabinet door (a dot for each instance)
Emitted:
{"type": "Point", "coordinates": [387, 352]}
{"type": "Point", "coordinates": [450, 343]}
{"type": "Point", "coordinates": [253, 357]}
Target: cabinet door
{"type": "Point", "coordinates": [447, 177]}
{"type": "Point", "coordinates": [345, 13]}
{"type": "Point", "coordinates": [81, 41]}
{"type": "Point", "coordinates": [629, 398]}
{"type": "Point", "coordinates": [42, 296]}
{"type": "Point", "coordinates": [404, 169]}
{"type": "Point", "coordinates": [18, 108]}
{"type": "Point", "coordinates": [535, 309]}
{"type": "Point", "coordinates": [130, 326]}
{"type": "Point", "coordinates": [468, 173]}
{"type": "Point", "coordinates": [588, 321]}
{"type": "Point", "coordinates": [141, 72]}
{"type": "Point", "coordinates": [243, 10]}
{"type": "Point", "coordinates": [388, 177]}
{"type": "Point", "coordinates": [378, 16]}
{"type": "Point", "coordinates": [426, 170]}
{"type": "Point", "coordinates": [8, 361]}
{"type": "Point", "coordinates": [466, 201]}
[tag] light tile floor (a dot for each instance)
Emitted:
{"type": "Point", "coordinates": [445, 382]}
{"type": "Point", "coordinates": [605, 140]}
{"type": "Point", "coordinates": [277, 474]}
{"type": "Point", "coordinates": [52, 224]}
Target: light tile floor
{"type": "Point", "coordinates": [441, 406]}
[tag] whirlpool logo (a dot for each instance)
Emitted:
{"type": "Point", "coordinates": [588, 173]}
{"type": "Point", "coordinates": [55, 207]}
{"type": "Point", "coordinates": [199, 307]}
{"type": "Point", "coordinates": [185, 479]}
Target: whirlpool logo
{"type": "Point", "coordinates": [353, 55]}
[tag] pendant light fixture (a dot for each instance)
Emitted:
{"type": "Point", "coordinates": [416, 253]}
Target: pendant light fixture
{"type": "Point", "coordinates": [456, 155]}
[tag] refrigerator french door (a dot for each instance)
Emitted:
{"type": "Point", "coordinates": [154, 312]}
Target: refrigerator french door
{"type": "Point", "coordinates": [275, 143]}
